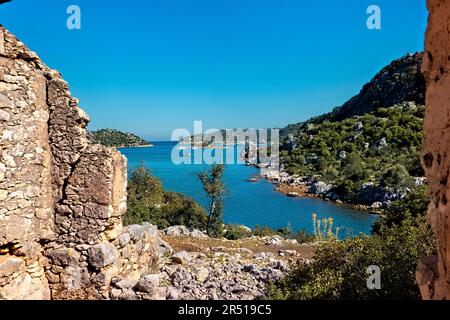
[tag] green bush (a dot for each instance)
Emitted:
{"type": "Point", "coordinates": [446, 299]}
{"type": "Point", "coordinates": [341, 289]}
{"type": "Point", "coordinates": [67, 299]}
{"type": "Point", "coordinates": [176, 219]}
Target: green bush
{"type": "Point", "coordinates": [413, 205]}
{"type": "Point", "coordinates": [339, 269]}
{"type": "Point", "coordinates": [301, 236]}
{"type": "Point", "coordinates": [236, 232]}
{"type": "Point", "coordinates": [147, 201]}
{"type": "Point", "coordinates": [264, 231]}
{"type": "Point", "coordinates": [145, 197]}
{"type": "Point", "coordinates": [304, 237]}
{"type": "Point", "coordinates": [397, 177]}
{"type": "Point", "coordinates": [181, 210]}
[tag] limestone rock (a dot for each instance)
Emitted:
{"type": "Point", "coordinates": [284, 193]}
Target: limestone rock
{"type": "Point", "coordinates": [181, 257]}
{"type": "Point", "coordinates": [148, 283]}
{"type": "Point", "coordinates": [124, 283]}
{"type": "Point", "coordinates": [320, 188]}
{"type": "Point", "coordinates": [198, 234]}
{"type": "Point", "coordinates": [202, 274]}
{"type": "Point", "coordinates": [63, 256]}
{"type": "Point", "coordinates": [102, 255]}
{"type": "Point", "coordinates": [162, 247]}
{"type": "Point", "coordinates": [176, 231]}
{"type": "Point", "coordinates": [173, 294]}
{"type": "Point", "coordinates": [275, 240]}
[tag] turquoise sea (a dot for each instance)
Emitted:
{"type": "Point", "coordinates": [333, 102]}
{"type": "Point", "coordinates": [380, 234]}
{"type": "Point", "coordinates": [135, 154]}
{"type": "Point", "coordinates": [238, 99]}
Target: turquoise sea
{"type": "Point", "coordinates": [247, 203]}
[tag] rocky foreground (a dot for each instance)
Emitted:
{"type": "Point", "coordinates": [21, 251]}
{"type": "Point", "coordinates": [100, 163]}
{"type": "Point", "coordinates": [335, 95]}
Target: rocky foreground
{"type": "Point", "coordinates": [195, 266]}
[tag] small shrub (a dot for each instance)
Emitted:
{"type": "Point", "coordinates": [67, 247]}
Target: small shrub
{"type": "Point", "coordinates": [413, 205]}
{"type": "Point", "coordinates": [236, 232]}
{"type": "Point", "coordinates": [259, 231]}
{"type": "Point", "coordinates": [304, 237]}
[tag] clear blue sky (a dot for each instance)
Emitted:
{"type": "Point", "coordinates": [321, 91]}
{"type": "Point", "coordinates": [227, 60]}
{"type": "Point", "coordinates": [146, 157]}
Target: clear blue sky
{"type": "Point", "coordinates": [151, 66]}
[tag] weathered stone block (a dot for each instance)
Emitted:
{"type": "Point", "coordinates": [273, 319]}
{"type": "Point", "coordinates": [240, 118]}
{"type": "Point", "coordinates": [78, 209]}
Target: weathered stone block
{"type": "Point", "coordinates": [64, 257]}
{"type": "Point", "coordinates": [181, 257]}
{"type": "Point", "coordinates": [102, 255]}
{"type": "Point", "coordinates": [148, 283]}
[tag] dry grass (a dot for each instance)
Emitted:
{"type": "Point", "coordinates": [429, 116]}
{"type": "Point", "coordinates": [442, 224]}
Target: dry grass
{"type": "Point", "coordinates": [255, 245]}
{"type": "Point", "coordinates": [301, 190]}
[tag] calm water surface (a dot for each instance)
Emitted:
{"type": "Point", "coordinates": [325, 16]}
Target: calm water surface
{"type": "Point", "coordinates": [247, 203]}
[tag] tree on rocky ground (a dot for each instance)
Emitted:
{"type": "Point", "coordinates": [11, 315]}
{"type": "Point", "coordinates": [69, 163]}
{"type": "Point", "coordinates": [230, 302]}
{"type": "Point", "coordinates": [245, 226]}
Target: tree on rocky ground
{"type": "Point", "coordinates": [214, 188]}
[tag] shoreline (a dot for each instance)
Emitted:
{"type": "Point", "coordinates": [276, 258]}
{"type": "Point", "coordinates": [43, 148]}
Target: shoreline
{"type": "Point", "coordinates": [300, 188]}
{"type": "Point", "coordinates": [301, 191]}
{"type": "Point", "coordinates": [140, 146]}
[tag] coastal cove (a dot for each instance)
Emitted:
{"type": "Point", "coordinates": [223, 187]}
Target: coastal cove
{"type": "Point", "coordinates": [248, 203]}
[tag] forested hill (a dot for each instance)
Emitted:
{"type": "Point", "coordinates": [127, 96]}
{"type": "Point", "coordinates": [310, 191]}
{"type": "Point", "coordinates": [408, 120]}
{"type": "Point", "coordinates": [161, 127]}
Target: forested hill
{"type": "Point", "coordinates": [116, 138]}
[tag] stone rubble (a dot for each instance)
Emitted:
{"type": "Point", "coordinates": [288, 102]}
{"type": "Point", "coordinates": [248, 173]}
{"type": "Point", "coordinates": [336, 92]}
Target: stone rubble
{"type": "Point", "coordinates": [217, 273]}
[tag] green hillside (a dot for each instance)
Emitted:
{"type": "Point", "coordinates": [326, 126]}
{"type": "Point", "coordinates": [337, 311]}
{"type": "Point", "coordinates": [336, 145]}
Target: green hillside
{"type": "Point", "coordinates": [115, 138]}
{"type": "Point", "coordinates": [362, 154]}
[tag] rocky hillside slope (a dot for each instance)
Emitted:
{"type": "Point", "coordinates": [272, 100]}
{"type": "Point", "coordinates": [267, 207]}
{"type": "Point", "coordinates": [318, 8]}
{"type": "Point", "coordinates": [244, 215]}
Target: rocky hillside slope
{"type": "Point", "coordinates": [398, 82]}
{"type": "Point", "coordinates": [369, 159]}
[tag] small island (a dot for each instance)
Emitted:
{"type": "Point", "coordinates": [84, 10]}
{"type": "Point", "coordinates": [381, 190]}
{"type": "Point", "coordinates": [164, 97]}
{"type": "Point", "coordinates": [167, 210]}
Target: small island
{"type": "Point", "coordinates": [116, 138]}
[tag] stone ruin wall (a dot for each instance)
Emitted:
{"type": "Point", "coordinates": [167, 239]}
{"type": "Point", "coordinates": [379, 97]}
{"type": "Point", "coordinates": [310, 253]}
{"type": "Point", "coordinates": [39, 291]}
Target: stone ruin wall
{"type": "Point", "coordinates": [61, 198]}
{"type": "Point", "coordinates": [26, 214]}
{"type": "Point", "coordinates": [433, 273]}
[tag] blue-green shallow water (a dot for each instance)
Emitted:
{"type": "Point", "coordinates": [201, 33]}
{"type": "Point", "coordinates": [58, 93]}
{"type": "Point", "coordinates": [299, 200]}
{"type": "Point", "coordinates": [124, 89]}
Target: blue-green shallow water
{"type": "Point", "coordinates": [248, 203]}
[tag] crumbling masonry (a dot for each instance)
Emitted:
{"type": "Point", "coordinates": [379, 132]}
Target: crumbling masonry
{"type": "Point", "coordinates": [61, 198]}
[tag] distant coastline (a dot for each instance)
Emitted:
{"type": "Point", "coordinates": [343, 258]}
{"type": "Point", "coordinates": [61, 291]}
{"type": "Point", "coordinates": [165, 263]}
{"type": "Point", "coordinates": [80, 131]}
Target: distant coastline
{"type": "Point", "coordinates": [139, 146]}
